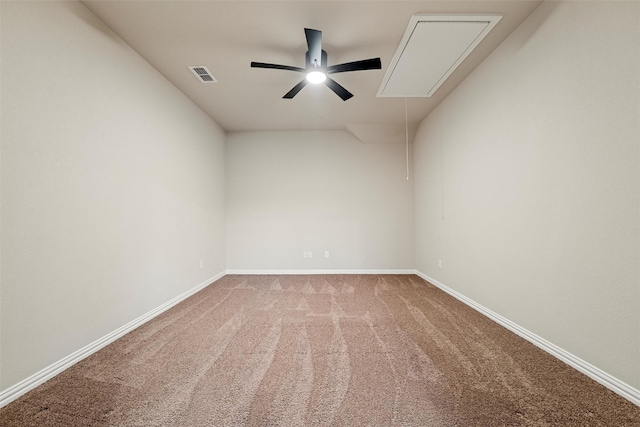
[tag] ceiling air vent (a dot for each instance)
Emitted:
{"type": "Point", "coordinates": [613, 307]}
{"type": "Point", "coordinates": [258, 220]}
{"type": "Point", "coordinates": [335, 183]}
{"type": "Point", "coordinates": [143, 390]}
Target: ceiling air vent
{"type": "Point", "coordinates": [431, 49]}
{"type": "Point", "coordinates": [202, 73]}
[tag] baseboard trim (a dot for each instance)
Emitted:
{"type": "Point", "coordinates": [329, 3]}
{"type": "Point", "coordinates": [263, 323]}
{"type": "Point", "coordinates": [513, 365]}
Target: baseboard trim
{"type": "Point", "coordinates": [287, 272]}
{"type": "Point", "coordinates": [12, 393]}
{"type": "Point", "coordinates": [614, 384]}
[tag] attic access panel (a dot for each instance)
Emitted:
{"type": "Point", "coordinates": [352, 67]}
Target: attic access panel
{"type": "Point", "coordinates": [431, 49]}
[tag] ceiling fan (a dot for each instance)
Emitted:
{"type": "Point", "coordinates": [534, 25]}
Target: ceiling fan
{"type": "Point", "coordinates": [316, 67]}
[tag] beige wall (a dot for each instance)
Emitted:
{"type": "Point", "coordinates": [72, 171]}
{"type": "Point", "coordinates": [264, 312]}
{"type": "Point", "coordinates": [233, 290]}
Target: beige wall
{"type": "Point", "coordinates": [290, 192]}
{"type": "Point", "coordinates": [527, 183]}
{"type": "Point", "coordinates": [112, 186]}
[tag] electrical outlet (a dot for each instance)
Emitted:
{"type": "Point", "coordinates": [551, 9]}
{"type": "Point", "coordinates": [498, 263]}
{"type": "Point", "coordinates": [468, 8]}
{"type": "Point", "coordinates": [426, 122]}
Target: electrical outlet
{"type": "Point", "coordinates": [326, 254]}
{"type": "Point", "coordinates": [439, 263]}
{"type": "Point", "coordinates": [305, 254]}
{"type": "Point", "coordinates": [310, 254]}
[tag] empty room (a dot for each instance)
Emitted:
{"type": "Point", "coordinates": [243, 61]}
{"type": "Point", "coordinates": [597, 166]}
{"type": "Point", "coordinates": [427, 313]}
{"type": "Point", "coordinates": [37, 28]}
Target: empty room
{"type": "Point", "coordinates": [319, 213]}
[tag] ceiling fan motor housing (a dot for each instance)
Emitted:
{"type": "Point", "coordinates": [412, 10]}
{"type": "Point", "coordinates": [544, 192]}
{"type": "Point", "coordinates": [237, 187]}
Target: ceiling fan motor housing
{"type": "Point", "coordinates": [311, 63]}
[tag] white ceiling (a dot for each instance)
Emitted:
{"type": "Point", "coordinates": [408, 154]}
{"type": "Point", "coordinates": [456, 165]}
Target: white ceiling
{"type": "Point", "coordinates": [226, 36]}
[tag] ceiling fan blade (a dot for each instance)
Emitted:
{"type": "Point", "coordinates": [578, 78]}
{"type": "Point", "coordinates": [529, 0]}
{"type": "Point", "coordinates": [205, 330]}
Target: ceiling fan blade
{"type": "Point", "coordinates": [297, 88]}
{"type": "Point", "coordinates": [276, 66]}
{"type": "Point", "coordinates": [339, 90]}
{"type": "Point", "coordinates": [314, 43]}
{"type": "Point", "coordinates": [365, 64]}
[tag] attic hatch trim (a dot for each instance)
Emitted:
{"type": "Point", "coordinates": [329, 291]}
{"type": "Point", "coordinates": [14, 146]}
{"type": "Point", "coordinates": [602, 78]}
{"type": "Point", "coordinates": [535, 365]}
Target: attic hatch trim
{"type": "Point", "coordinates": [403, 80]}
{"type": "Point", "coordinates": [202, 73]}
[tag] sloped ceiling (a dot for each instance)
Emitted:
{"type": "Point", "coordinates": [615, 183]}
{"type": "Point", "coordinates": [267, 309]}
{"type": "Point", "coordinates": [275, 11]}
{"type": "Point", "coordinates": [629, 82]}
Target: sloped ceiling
{"type": "Point", "coordinates": [226, 36]}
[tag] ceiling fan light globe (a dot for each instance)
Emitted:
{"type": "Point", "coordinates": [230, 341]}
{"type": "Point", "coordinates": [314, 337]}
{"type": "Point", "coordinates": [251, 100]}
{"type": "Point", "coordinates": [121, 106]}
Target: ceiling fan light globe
{"type": "Point", "coordinates": [316, 77]}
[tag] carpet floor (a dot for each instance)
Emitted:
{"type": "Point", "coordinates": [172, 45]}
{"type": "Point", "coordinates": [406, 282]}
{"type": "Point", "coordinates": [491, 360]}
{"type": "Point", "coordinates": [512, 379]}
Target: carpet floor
{"type": "Point", "coordinates": [320, 350]}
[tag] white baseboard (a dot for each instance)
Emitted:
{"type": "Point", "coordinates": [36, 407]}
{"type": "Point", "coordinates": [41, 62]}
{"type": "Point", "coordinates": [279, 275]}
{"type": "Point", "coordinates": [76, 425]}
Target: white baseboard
{"type": "Point", "coordinates": [285, 272]}
{"type": "Point", "coordinates": [12, 393]}
{"type": "Point", "coordinates": [620, 387]}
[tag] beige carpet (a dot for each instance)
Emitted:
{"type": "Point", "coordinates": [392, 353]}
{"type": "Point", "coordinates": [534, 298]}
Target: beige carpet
{"type": "Point", "coordinates": [343, 350]}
